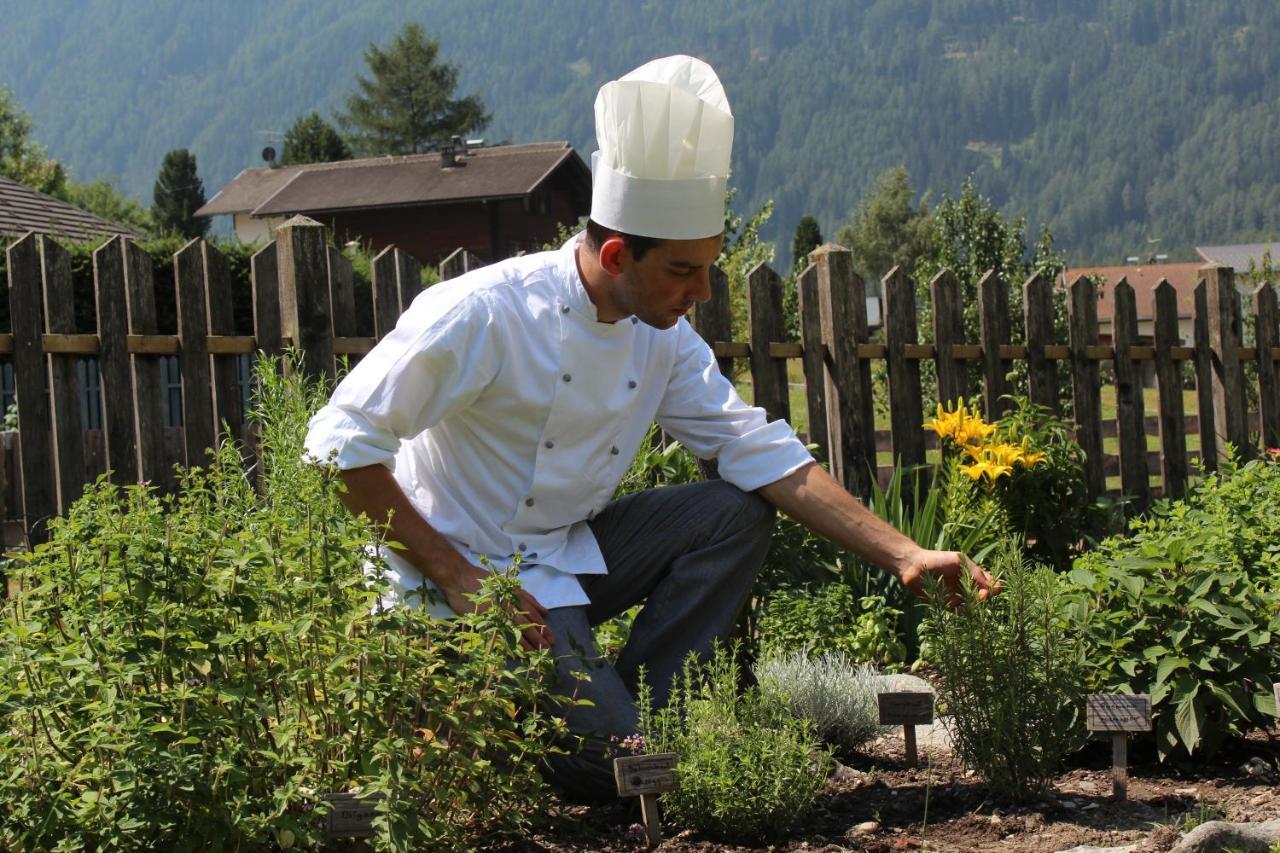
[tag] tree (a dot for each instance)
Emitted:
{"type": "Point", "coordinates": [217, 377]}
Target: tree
{"type": "Point", "coordinates": [886, 230]}
{"type": "Point", "coordinates": [103, 198]}
{"type": "Point", "coordinates": [178, 193]}
{"type": "Point", "coordinates": [21, 158]}
{"type": "Point", "coordinates": [807, 238]}
{"type": "Point", "coordinates": [311, 139]}
{"type": "Point", "coordinates": [408, 105]}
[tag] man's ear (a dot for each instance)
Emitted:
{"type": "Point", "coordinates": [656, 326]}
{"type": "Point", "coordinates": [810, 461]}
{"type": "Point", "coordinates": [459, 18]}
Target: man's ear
{"type": "Point", "coordinates": [611, 254]}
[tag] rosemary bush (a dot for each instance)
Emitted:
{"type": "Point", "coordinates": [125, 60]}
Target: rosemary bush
{"type": "Point", "coordinates": [748, 768]}
{"type": "Point", "coordinates": [831, 691]}
{"type": "Point", "coordinates": [196, 671]}
{"type": "Point", "coordinates": [1010, 675]}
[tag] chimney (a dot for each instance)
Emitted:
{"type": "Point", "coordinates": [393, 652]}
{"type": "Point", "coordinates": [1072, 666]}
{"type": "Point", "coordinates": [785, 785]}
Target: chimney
{"type": "Point", "coordinates": [448, 156]}
{"type": "Point", "coordinates": [461, 145]}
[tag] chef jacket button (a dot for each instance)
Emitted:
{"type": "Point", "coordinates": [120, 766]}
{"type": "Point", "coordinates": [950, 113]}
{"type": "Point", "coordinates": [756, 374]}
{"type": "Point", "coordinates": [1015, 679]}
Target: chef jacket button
{"type": "Point", "coordinates": [635, 320]}
{"type": "Point", "coordinates": [614, 451]}
{"type": "Point", "coordinates": [528, 501]}
{"type": "Point", "coordinates": [631, 383]}
{"type": "Point", "coordinates": [521, 546]}
{"type": "Point", "coordinates": [548, 444]}
{"type": "Point", "coordinates": [564, 309]}
{"type": "Point", "coordinates": [567, 378]}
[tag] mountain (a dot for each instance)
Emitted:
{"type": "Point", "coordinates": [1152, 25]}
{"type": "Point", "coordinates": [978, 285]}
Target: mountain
{"type": "Point", "coordinates": [1115, 122]}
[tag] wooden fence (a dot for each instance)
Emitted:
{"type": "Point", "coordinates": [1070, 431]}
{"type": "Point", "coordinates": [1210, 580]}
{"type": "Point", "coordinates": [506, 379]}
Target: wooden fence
{"type": "Point", "coordinates": [303, 296]}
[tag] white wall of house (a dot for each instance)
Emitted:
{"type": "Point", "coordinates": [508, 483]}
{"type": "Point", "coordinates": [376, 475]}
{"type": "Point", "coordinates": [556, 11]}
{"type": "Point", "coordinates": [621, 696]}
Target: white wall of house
{"type": "Point", "coordinates": [254, 229]}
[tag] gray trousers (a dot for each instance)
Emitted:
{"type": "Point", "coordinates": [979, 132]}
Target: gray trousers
{"type": "Point", "coordinates": [691, 553]}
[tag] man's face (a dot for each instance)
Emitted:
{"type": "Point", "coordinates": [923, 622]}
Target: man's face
{"type": "Point", "coordinates": [663, 285]}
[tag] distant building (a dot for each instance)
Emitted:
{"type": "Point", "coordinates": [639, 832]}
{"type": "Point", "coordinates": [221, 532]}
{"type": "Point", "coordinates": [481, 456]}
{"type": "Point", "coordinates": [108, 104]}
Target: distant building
{"type": "Point", "coordinates": [1241, 256]}
{"type": "Point", "coordinates": [494, 202]}
{"type": "Point", "coordinates": [1143, 278]}
{"type": "Point", "coordinates": [23, 209]}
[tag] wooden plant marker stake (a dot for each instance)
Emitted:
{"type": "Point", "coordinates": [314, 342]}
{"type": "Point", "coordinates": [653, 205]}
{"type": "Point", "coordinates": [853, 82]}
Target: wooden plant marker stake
{"type": "Point", "coordinates": [1119, 714]}
{"type": "Point", "coordinates": [646, 776]}
{"type": "Point", "coordinates": [351, 815]}
{"type": "Point", "coordinates": [1275, 688]}
{"type": "Point", "coordinates": [907, 709]}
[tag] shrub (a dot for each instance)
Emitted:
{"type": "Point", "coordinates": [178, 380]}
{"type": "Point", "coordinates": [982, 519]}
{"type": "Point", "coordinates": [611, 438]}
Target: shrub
{"type": "Point", "coordinates": [835, 694]}
{"type": "Point", "coordinates": [1009, 676]}
{"type": "Point", "coordinates": [747, 767]}
{"type": "Point", "coordinates": [195, 671]}
{"type": "Point", "coordinates": [1184, 608]}
{"type": "Point", "coordinates": [830, 618]}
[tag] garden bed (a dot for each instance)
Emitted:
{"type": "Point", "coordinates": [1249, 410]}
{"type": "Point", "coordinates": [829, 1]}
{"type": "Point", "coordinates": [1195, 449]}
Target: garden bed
{"type": "Point", "coordinates": [876, 787]}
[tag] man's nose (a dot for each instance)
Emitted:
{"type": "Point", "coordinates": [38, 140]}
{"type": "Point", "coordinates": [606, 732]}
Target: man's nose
{"type": "Point", "coordinates": [702, 292]}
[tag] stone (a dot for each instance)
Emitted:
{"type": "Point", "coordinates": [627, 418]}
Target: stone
{"type": "Point", "coordinates": [865, 828]}
{"type": "Point", "coordinates": [1089, 848]}
{"type": "Point", "coordinates": [1186, 792]}
{"type": "Point", "coordinates": [1255, 767]}
{"type": "Point", "coordinates": [1224, 835]}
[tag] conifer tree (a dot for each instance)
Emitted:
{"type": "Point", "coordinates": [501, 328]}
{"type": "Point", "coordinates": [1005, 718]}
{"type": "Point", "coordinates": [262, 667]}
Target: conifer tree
{"type": "Point", "coordinates": [178, 193]}
{"type": "Point", "coordinates": [808, 237]}
{"type": "Point", "coordinates": [311, 139]}
{"type": "Point", "coordinates": [407, 104]}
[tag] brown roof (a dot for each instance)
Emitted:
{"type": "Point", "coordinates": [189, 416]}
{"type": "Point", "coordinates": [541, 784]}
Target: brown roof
{"type": "Point", "coordinates": [1143, 278]}
{"type": "Point", "coordinates": [23, 209]}
{"type": "Point", "coordinates": [499, 172]}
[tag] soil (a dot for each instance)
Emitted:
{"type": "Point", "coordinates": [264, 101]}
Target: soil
{"type": "Point", "coordinates": [877, 803]}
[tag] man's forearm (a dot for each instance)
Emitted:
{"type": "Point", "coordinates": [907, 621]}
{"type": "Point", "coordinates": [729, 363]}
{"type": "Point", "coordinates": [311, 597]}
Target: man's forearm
{"type": "Point", "coordinates": [812, 497]}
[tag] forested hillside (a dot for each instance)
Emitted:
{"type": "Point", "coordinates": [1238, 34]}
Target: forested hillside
{"type": "Point", "coordinates": [1113, 121]}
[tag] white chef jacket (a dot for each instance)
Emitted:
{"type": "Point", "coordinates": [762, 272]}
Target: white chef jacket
{"type": "Point", "coordinates": [509, 414]}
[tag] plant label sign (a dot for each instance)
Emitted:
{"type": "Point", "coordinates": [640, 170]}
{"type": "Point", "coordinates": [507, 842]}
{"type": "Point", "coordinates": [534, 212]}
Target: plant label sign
{"type": "Point", "coordinates": [907, 709]}
{"type": "Point", "coordinates": [1119, 714]}
{"type": "Point", "coordinates": [351, 815]}
{"type": "Point", "coordinates": [1275, 688]}
{"type": "Point", "coordinates": [646, 776]}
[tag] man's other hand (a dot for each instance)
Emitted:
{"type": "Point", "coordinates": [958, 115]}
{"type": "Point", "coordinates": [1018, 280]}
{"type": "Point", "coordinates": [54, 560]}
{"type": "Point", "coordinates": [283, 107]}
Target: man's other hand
{"type": "Point", "coordinates": [532, 615]}
{"type": "Point", "coordinates": [949, 567]}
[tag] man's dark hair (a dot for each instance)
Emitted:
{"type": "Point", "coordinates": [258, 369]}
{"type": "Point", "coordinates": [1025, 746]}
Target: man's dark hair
{"type": "Point", "coordinates": [597, 234]}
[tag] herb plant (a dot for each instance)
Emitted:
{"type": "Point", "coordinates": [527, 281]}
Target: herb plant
{"type": "Point", "coordinates": [832, 691]}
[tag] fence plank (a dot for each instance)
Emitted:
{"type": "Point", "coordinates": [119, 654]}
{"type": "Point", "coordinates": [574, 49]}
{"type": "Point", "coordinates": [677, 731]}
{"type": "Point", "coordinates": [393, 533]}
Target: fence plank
{"type": "Point", "coordinates": [341, 293]}
{"type": "Point", "coordinates": [1266, 339]}
{"type": "Point", "coordinates": [120, 443]}
{"type": "Point", "coordinates": [225, 384]}
{"type": "Point", "coordinates": [458, 262]}
{"type": "Point", "coordinates": [1204, 379]}
{"type": "Point", "coordinates": [408, 279]}
{"type": "Point", "coordinates": [304, 293]}
{"type": "Point", "coordinates": [1173, 437]}
{"type": "Point", "coordinates": [30, 372]}
{"type": "Point", "coordinates": [386, 292]}
{"type": "Point", "coordinates": [193, 363]}
{"type": "Point", "coordinates": [850, 416]}
{"type": "Point", "coordinates": [1037, 312]}
{"type": "Point", "coordinates": [266, 300]}
{"type": "Point", "coordinates": [64, 384]}
{"type": "Point", "coordinates": [948, 331]}
{"type": "Point", "coordinates": [1129, 405]}
{"type": "Point", "coordinates": [906, 408]}
{"type": "Point", "coordinates": [1082, 311]}
{"type": "Point", "coordinates": [1228, 375]}
{"type": "Point", "coordinates": [993, 322]}
{"type": "Point", "coordinates": [140, 305]}
{"type": "Point", "coordinates": [713, 319]}
{"type": "Point", "coordinates": [813, 359]}
{"type": "Point", "coordinates": [765, 318]}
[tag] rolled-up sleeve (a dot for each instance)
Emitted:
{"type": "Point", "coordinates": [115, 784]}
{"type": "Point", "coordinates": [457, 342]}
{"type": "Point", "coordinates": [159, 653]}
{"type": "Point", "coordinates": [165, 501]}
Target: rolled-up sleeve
{"type": "Point", "coordinates": [702, 410]}
{"type": "Point", "coordinates": [440, 356]}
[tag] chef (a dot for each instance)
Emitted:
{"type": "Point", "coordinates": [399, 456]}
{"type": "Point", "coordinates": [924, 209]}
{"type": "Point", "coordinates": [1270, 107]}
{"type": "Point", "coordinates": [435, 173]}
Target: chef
{"type": "Point", "coordinates": [500, 414]}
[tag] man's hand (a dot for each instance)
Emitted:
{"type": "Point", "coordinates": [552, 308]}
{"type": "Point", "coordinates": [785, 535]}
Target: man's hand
{"type": "Point", "coordinates": [467, 580]}
{"type": "Point", "coordinates": [949, 567]}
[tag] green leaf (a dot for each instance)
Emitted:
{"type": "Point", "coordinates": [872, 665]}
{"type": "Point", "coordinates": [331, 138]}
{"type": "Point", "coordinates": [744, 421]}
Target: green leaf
{"type": "Point", "coordinates": [1187, 718]}
{"type": "Point", "coordinates": [1168, 665]}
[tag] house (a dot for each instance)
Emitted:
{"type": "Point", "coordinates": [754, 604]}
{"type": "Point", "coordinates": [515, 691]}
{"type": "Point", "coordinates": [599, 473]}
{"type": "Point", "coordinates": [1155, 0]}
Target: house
{"type": "Point", "coordinates": [23, 209]}
{"type": "Point", "coordinates": [494, 202]}
{"type": "Point", "coordinates": [1241, 257]}
{"type": "Point", "coordinates": [1143, 278]}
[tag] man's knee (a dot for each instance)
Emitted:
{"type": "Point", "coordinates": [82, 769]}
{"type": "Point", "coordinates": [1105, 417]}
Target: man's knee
{"type": "Point", "coordinates": [747, 510]}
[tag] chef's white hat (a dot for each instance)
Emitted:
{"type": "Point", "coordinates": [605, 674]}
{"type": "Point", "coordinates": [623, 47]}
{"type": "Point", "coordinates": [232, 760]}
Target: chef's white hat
{"type": "Point", "coordinates": [665, 134]}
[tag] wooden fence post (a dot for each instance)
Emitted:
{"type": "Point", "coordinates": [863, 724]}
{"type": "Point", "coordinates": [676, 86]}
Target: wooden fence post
{"type": "Point", "coordinates": [850, 413]}
{"type": "Point", "coordinates": [304, 293]}
{"type": "Point", "coordinates": [266, 300]}
{"type": "Point", "coordinates": [118, 418]}
{"type": "Point", "coordinates": [1082, 308]}
{"type": "Point", "coordinates": [948, 331]}
{"type": "Point", "coordinates": [1229, 404]}
{"type": "Point", "coordinates": [906, 408]}
{"type": "Point", "coordinates": [193, 362]}
{"type": "Point", "coordinates": [30, 373]}
{"type": "Point", "coordinates": [408, 279]}
{"type": "Point", "coordinates": [1173, 436]}
{"type": "Point", "coordinates": [1265, 339]}
{"type": "Point", "coordinates": [227, 406]}
{"type": "Point", "coordinates": [458, 262]}
{"type": "Point", "coordinates": [386, 292]}
{"type": "Point", "coordinates": [1037, 312]}
{"type": "Point", "coordinates": [140, 298]}
{"type": "Point", "coordinates": [814, 360]}
{"type": "Point", "coordinates": [341, 293]}
{"type": "Point", "coordinates": [765, 318]}
{"type": "Point", "coordinates": [64, 385]}
{"type": "Point", "coordinates": [713, 321]}
{"type": "Point", "coordinates": [1130, 412]}
{"type": "Point", "coordinates": [993, 321]}
{"type": "Point", "coordinates": [1204, 380]}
